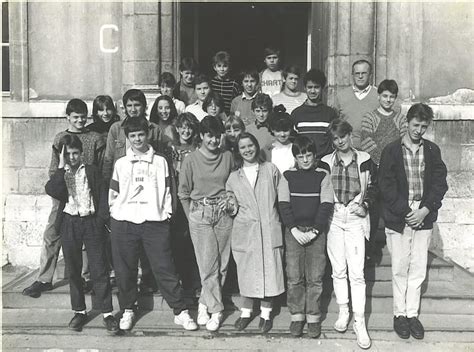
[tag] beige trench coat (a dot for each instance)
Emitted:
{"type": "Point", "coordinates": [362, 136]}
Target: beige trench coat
{"type": "Point", "coordinates": [257, 240]}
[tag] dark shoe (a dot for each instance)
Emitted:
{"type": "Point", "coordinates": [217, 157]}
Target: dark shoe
{"type": "Point", "coordinates": [296, 328]}
{"type": "Point", "coordinates": [264, 325]}
{"type": "Point", "coordinates": [416, 328]}
{"type": "Point", "coordinates": [241, 323]}
{"type": "Point", "coordinates": [314, 330]}
{"type": "Point", "coordinates": [87, 286]}
{"type": "Point", "coordinates": [111, 324]}
{"type": "Point", "coordinates": [36, 288]}
{"type": "Point", "coordinates": [401, 327]}
{"type": "Point", "coordinates": [78, 321]}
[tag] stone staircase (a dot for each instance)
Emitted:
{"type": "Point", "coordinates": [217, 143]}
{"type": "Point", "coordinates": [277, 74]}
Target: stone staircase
{"type": "Point", "coordinates": [447, 306]}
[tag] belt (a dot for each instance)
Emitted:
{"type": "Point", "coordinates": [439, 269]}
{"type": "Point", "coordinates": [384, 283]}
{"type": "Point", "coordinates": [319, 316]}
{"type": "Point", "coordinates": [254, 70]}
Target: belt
{"type": "Point", "coordinates": [81, 216]}
{"type": "Point", "coordinates": [209, 200]}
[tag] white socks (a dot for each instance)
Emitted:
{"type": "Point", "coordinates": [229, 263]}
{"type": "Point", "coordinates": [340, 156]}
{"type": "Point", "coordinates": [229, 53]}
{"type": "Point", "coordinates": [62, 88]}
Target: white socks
{"type": "Point", "coordinates": [265, 313]}
{"type": "Point", "coordinates": [245, 312]}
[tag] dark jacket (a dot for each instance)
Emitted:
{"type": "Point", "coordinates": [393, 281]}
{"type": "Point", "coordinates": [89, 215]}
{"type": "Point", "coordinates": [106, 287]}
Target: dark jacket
{"type": "Point", "coordinates": [56, 188]}
{"type": "Point", "coordinates": [393, 185]}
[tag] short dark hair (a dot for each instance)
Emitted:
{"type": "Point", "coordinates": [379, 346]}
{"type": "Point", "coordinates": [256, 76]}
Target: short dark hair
{"type": "Point", "coordinates": [239, 161]}
{"type": "Point", "coordinates": [362, 61]}
{"type": "Point", "coordinates": [202, 78]}
{"type": "Point", "coordinates": [212, 125]}
{"type": "Point", "coordinates": [135, 125]}
{"type": "Point", "coordinates": [339, 127]}
{"type": "Point", "coordinates": [222, 57]}
{"type": "Point", "coordinates": [303, 145]}
{"type": "Point", "coordinates": [213, 97]}
{"type": "Point", "coordinates": [388, 84]}
{"type": "Point", "coordinates": [71, 141]}
{"type": "Point", "coordinates": [76, 105]}
{"type": "Point", "coordinates": [280, 120]}
{"type": "Point", "coordinates": [291, 69]}
{"type": "Point", "coordinates": [188, 64]}
{"type": "Point", "coordinates": [134, 95]}
{"type": "Point", "coordinates": [269, 50]}
{"type": "Point", "coordinates": [262, 100]}
{"type": "Point", "coordinates": [167, 78]}
{"type": "Point", "coordinates": [155, 117]}
{"type": "Point", "coordinates": [315, 75]}
{"type": "Point", "coordinates": [420, 111]}
{"type": "Point", "coordinates": [252, 72]}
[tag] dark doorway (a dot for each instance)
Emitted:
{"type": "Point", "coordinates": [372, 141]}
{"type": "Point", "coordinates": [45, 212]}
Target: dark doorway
{"type": "Point", "coordinates": [244, 30]}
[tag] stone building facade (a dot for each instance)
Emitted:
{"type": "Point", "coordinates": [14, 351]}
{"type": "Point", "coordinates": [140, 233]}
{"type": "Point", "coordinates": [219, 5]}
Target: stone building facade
{"type": "Point", "coordinates": [62, 50]}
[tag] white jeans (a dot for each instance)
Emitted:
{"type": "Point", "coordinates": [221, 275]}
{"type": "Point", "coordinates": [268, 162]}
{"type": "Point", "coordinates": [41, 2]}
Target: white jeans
{"type": "Point", "coordinates": [346, 250]}
{"type": "Point", "coordinates": [409, 251]}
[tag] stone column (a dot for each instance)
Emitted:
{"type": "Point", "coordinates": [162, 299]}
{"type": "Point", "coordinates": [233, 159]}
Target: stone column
{"type": "Point", "coordinates": [18, 16]}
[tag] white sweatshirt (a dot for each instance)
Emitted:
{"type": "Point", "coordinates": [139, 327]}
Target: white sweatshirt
{"type": "Point", "coordinates": [140, 188]}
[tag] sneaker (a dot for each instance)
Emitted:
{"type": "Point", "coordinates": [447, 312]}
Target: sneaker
{"type": "Point", "coordinates": [35, 289]}
{"type": "Point", "coordinates": [78, 321]}
{"type": "Point", "coordinates": [215, 322]}
{"type": "Point", "coordinates": [363, 339]}
{"type": "Point", "coordinates": [314, 330]}
{"type": "Point", "coordinates": [203, 316]}
{"type": "Point", "coordinates": [111, 324]}
{"type": "Point", "coordinates": [126, 322]}
{"type": "Point", "coordinates": [296, 328]}
{"type": "Point", "coordinates": [185, 320]}
{"type": "Point", "coordinates": [342, 321]}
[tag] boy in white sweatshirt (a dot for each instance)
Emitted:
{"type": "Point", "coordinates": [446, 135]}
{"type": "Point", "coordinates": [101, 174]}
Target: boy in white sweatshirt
{"type": "Point", "coordinates": [141, 203]}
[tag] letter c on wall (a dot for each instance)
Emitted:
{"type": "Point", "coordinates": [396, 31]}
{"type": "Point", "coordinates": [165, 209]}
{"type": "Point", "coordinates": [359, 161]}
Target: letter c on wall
{"type": "Point", "coordinates": [101, 38]}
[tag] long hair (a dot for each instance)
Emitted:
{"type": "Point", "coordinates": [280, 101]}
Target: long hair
{"type": "Point", "coordinates": [155, 116]}
{"type": "Point", "coordinates": [239, 161]}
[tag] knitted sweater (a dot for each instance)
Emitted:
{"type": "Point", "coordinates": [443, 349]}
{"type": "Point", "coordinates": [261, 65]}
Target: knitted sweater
{"type": "Point", "coordinates": [227, 88]}
{"type": "Point", "coordinates": [378, 130]}
{"type": "Point", "coordinates": [313, 121]}
{"type": "Point", "coordinates": [352, 109]}
{"type": "Point", "coordinates": [305, 197]}
{"type": "Point", "coordinates": [93, 147]}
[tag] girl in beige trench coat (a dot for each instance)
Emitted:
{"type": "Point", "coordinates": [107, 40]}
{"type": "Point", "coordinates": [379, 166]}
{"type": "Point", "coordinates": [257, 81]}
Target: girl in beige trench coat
{"type": "Point", "coordinates": [256, 240]}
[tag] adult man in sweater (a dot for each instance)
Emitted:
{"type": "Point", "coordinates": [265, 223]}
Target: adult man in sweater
{"type": "Point", "coordinates": [352, 103]}
{"type": "Point", "coordinates": [412, 179]}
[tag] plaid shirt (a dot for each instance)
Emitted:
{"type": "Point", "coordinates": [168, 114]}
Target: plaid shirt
{"type": "Point", "coordinates": [415, 169]}
{"type": "Point", "coordinates": [345, 179]}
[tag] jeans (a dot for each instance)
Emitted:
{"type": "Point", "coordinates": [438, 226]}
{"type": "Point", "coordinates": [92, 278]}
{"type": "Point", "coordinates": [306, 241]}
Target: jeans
{"type": "Point", "coordinates": [305, 266]}
{"type": "Point", "coordinates": [346, 251]}
{"type": "Point", "coordinates": [127, 241]}
{"type": "Point", "coordinates": [76, 231]}
{"type": "Point", "coordinates": [409, 251]}
{"type": "Point", "coordinates": [51, 246]}
{"type": "Point", "coordinates": [210, 230]}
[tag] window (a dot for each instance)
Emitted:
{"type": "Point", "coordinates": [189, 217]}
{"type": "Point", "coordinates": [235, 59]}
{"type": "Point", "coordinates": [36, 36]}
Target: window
{"type": "Point", "coordinates": [5, 49]}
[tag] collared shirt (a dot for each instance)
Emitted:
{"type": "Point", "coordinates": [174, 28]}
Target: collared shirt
{"type": "Point", "coordinates": [345, 179]}
{"type": "Point", "coordinates": [361, 94]}
{"type": "Point", "coordinates": [196, 109]}
{"type": "Point", "coordinates": [80, 200]}
{"type": "Point", "coordinates": [242, 107]}
{"type": "Point", "coordinates": [414, 162]}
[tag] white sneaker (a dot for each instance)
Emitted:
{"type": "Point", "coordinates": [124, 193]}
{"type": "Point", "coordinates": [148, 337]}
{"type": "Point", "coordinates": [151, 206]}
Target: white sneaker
{"type": "Point", "coordinates": [203, 316]}
{"type": "Point", "coordinates": [215, 322]}
{"type": "Point", "coordinates": [185, 320]}
{"type": "Point", "coordinates": [126, 322]}
{"type": "Point", "coordinates": [363, 339]}
{"type": "Point", "coordinates": [342, 321]}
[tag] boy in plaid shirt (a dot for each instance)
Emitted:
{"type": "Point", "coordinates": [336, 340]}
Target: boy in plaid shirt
{"type": "Point", "coordinates": [412, 179]}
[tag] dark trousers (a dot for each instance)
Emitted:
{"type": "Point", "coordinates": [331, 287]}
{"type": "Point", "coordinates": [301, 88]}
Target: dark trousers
{"type": "Point", "coordinates": [305, 267]}
{"type": "Point", "coordinates": [154, 236]}
{"type": "Point", "coordinates": [183, 252]}
{"type": "Point", "coordinates": [76, 231]}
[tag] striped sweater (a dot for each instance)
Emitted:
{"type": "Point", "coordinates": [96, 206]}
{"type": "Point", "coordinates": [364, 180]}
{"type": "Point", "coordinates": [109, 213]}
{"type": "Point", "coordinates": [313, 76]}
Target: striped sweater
{"type": "Point", "coordinates": [313, 121]}
{"type": "Point", "coordinates": [306, 197]}
{"type": "Point", "coordinates": [378, 130]}
{"type": "Point", "coordinates": [227, 88]}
